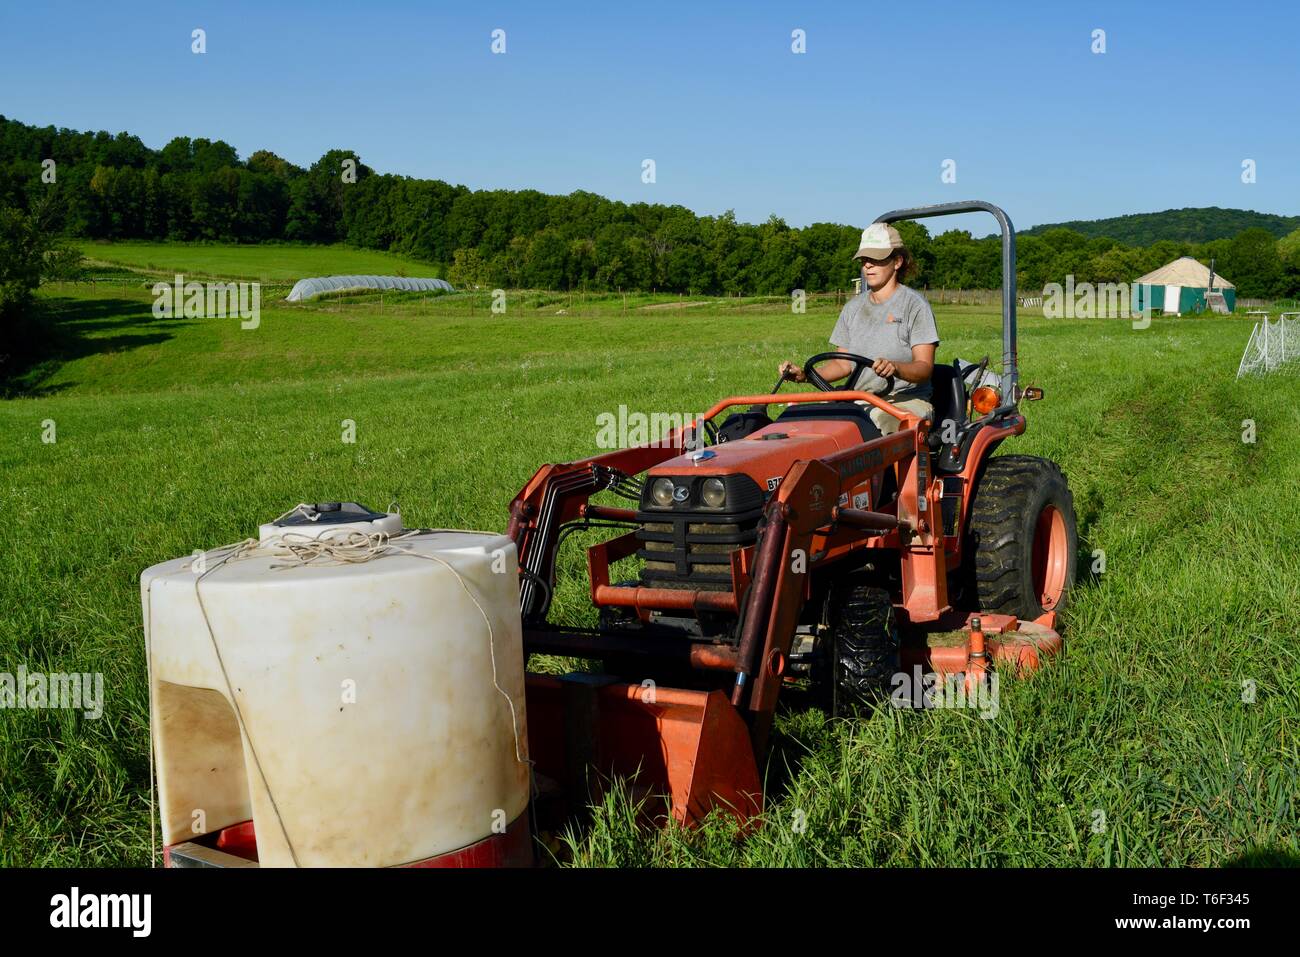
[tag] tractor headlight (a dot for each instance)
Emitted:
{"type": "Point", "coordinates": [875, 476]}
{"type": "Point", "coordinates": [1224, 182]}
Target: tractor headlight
{"type": "Point", "coordinates": [662, 492]}
{"type": "Point", "coordinates": [714, 493]}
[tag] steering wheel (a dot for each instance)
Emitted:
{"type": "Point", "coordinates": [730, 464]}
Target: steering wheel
{"type": "Point", "coordinates": [859, 363]}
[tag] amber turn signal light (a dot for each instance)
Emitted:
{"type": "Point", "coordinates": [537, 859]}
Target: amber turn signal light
{"type": "Point", "coordinates": [985, 399]}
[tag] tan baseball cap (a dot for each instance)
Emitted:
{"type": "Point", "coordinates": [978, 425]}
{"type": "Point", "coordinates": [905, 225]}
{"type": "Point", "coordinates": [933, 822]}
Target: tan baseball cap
{"type": "Point", "coordinates": [878, 241]}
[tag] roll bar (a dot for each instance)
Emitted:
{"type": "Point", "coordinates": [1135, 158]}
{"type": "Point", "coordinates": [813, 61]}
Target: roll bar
{"type": "Point", "coordinates": [1010, 370]}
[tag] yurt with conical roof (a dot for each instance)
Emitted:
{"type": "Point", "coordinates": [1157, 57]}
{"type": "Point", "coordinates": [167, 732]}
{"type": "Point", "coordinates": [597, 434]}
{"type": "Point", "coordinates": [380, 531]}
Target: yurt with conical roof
{"type": "Point", "coordinates": [1181, 286]}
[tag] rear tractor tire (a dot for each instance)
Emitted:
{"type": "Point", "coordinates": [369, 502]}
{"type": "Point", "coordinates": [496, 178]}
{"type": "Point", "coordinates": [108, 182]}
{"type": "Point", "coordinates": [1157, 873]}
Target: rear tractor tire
{"type": "Point", "coordinates": [858, 651]}
{"type": "Point", "coordinates": [1022, 537]}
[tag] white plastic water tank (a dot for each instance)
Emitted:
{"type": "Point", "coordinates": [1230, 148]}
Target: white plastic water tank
{"type": "Point", "coordinates": [360, 711]}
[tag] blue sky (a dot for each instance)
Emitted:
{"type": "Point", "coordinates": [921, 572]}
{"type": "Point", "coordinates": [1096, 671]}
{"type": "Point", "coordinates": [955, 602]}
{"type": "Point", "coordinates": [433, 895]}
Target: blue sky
{"type": "Point", "coordinates": [860, 123]}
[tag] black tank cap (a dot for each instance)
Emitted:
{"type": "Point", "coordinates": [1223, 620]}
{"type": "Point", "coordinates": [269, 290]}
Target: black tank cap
{"type": "Point", "coordinates": [330, 513]}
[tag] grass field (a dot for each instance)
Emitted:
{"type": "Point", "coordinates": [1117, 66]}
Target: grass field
{"type": "Point", "coordinates": [287, 263]}
{"type": "Point", "coordinates": [1137, 749]}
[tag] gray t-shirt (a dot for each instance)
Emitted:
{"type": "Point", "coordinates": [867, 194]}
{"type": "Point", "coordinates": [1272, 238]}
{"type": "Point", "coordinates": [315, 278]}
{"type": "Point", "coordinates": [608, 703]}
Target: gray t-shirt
{"type": "Point", "coordinates": [886, 330]}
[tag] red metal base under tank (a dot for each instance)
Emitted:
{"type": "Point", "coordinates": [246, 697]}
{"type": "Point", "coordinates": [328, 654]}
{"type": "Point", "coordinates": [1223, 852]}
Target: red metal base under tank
{"type": "Point", "coordinates": [236, 846]}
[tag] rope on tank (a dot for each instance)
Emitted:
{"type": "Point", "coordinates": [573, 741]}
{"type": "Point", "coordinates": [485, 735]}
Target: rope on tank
{"type": "Point", "coordinates": [356, 547]}
{"type": "Point", "coordinates": [234, 700]}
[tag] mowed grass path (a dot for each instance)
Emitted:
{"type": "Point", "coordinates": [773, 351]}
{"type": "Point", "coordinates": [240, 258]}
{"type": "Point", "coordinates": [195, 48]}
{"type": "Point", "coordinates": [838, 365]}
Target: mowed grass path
{"type": "Point", "coordinates": [283, 264]}
{"type": "Point", "coordinates": [1167, 735]}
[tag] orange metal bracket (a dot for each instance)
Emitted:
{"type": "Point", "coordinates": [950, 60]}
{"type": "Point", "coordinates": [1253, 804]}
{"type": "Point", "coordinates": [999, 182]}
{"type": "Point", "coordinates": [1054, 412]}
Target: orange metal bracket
{"type": "Point", "coordinates": [690, 746]}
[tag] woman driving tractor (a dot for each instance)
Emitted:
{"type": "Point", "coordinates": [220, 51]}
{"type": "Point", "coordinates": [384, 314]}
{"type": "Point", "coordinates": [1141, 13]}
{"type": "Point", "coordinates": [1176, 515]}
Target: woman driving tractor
{"type": "Point", "coordinates": [887, 322]}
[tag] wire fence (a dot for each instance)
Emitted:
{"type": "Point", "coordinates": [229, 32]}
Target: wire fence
{"type": "Point", "coordinates": [1273, 343]}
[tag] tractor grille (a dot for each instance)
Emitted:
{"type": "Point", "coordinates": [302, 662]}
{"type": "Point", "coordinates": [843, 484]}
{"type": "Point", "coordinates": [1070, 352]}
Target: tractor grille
{"type": "Point", "coordinates": [688, 544]}
{"type": "Point", "coordinates": [682, 553]}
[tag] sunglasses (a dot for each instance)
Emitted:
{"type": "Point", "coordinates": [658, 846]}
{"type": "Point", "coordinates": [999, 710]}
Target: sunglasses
{"type": "Point", "coordinates": [867, 260]}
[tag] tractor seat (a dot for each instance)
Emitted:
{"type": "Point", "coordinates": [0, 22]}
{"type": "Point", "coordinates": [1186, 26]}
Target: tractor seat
{"type": "Point", "coordinates": [948, 395]}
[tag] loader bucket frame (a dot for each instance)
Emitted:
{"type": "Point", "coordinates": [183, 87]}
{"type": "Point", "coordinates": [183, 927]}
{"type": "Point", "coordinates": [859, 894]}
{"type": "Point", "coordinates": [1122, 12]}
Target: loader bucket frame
{"type": "Point", "coordinates": [691, 747]}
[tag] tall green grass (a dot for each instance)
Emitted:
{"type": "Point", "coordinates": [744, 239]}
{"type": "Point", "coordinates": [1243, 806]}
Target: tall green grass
{"type": "Point", "coordinates": [1136, 749]}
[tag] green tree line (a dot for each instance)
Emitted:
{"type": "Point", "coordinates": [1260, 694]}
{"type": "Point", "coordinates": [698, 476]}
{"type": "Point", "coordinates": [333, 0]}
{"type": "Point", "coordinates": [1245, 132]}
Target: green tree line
{"type": "Point", "coordinates": [1199, 224]}
{"type": "Point", "coordinates": [110, 186]}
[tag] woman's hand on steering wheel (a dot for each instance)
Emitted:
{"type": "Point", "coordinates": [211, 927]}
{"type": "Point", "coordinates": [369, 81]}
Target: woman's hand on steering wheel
{"type": "Point", "coordinates": [884, 368]}
{"type": "Point", "coordinates": [857, 362]}
{"type": "Point", "coordinates": [791, 371]}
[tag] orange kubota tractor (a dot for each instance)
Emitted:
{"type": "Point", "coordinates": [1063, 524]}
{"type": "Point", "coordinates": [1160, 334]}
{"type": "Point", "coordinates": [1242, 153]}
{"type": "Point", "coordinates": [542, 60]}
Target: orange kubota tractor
{"type": "Point", "coordinates": [803, 547]}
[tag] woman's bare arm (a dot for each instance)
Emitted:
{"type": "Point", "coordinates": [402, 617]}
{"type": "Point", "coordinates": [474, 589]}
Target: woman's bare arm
{"type": "Point", "coordinates": [832, 370]}
{"type": "Point", "coordinates": [918, 370]}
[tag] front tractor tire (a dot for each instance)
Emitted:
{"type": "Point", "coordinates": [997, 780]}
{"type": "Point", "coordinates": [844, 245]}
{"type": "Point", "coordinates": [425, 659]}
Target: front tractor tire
{"type": "Point", "coordinates": [1022, 537]}
{"type": "Point", "coordinates": [858, 650]}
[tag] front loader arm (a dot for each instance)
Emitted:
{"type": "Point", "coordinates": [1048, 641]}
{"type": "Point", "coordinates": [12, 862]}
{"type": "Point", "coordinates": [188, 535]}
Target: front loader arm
{"type": "Point", "coordinates": [555, 495]}
{"type": "Point", "coordinates": [807, 505]}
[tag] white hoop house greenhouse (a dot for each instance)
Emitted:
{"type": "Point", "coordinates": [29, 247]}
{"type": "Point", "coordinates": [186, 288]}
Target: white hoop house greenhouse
{"type": "Point", "coordinates": [307, 288]}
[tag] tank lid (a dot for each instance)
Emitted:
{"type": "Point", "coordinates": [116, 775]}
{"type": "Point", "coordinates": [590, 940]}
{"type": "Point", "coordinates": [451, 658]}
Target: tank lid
{"type": "Point", "coordinates": [328, 513]}
{"type": "Point", "coordinates": [330, 519]}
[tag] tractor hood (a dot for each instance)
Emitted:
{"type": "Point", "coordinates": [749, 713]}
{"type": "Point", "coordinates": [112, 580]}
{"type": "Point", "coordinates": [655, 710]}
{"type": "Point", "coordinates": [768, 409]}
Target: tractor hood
{"type": "Point", "coordinates": [765, 455]}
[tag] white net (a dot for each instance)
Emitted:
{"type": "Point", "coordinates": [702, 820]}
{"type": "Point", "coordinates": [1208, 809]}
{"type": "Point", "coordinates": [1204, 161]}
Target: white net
{"type": "Point", "coordinates": [1272, 344]}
